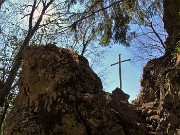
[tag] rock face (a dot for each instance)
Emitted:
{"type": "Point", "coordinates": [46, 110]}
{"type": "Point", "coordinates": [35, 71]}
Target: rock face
{"type": "Point", "coordinates": [160, 92]}
{"type": "Point", "coordinates": [161, 89]}
{"type": "Point", "coordinates": [61, 95]}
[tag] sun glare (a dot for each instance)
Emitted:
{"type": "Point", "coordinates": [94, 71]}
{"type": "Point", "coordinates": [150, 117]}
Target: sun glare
{"type": "Point", "coordinates": [48, 14]}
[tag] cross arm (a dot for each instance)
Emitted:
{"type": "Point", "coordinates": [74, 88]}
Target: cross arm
{"type": "Point", "coordinates": [121, 62]}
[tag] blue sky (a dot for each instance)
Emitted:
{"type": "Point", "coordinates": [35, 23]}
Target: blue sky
{"type": "Point", "coordinates": [131, 73]}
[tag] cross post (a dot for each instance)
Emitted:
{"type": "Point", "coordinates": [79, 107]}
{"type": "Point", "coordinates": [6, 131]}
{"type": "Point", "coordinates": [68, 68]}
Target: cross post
{"type": "Point", "coordinates": [120, 78]}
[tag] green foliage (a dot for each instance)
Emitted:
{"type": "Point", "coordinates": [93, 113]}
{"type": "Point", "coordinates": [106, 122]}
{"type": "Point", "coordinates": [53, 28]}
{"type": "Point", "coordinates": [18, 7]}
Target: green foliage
{"type": "Point", "coordinates": [113, 19]}
{"type": "Point", "coordinates": [110, 19]}
{"type": "Point", "coordinates": [107, 35]}
{"type": "Point", "coordinates": [177, 49]}
{"type": "Point", "coordinates": [121, 29]}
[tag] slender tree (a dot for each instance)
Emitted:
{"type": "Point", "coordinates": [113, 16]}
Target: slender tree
{"type": "Point", "coordinates": [18, 59]}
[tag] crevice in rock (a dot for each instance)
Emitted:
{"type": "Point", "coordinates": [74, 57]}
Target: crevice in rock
{"type": "Point", "coordinates": [88, 129]}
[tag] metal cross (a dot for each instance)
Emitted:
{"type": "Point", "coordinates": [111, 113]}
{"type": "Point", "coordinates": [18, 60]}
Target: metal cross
{"type": "Point", "coordinates": [120, 68]}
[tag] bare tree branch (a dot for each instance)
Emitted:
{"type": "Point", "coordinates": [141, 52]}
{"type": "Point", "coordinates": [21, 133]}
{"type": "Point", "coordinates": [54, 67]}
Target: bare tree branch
{"type": "Point", "coordinates": [85, 17]}
{"type": "Point", "coordinates": [157, 35]}
{"type": "Point", "coordinates": [31, 16]}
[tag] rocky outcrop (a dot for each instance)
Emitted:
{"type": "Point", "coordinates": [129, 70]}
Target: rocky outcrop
{"type": "Point", "coordinates": [61, 95]}
{"type": "Point", "coordinates": [161, 89]}
{"type": "Point", "coordinates": [160, 92]}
